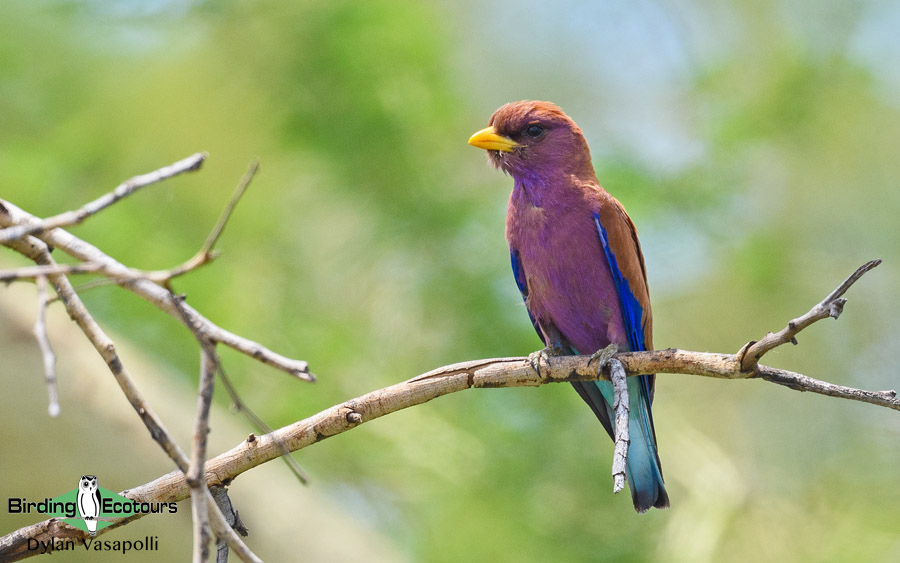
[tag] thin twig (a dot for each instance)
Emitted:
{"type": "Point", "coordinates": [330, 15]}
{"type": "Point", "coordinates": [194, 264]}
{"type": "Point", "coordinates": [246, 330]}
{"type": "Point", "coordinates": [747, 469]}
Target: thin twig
{"type": "Point", "coordinates": [123, 190]}
{"type": "Point", "coordinates": [119, 272]}
{"type": "Point", "coordinates": [35, 272]}
{"type": "Point", "coordinates": [232, 518]}
{"type": "Point", "coordinates": [620, 407]}
{"type": "Point", "coordinates": [832, 306]}
{"type": "Point", "coordinates": [156, 294]}
{"type": "Point", "coordinates": [213, 237]}
{"type": "Point", "coordinates": [39, 253]}
{"type": "Point", "coordinates": [207, 253]}
{"type": "Point", "coordinates": [43, 340]}
{"type": "Point", "coordinates": [114, 273]}
{"type": "Point", "coordinates": [208, 363]}
{"type": "Point", "coordinates": [206, 513]}
{"type": "Point", "coordinates": [222, 529]}
{"type": "Point", "coordinates": [259, 425]}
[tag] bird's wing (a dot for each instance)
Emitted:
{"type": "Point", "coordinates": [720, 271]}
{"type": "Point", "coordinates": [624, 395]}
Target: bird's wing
{"type": "Point", "coordinates": [618, 237]}
{"type": "Point", "coordinates": [519, 273]}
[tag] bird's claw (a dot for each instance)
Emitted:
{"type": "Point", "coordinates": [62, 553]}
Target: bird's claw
{"type": "Point", "coordinates": [603, 356]}
{"type": "Point", "coordinates": [543, 356]}
{"type": "Point", "coordinates": [536, 358]}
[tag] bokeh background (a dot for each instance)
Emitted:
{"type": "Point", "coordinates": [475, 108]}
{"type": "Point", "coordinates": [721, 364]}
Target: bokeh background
{"type": "Point", "coordinates": [755, 145]}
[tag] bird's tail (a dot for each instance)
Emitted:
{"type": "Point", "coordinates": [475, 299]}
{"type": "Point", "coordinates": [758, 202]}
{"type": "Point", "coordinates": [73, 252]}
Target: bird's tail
{"type": "Point", "coordinates": [643, 469]}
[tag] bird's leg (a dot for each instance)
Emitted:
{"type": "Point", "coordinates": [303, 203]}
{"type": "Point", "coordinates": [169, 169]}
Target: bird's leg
{"type": "Point", "coordinates": [543, 355]}
{"type": "Point", "coordinates": [604, 355]}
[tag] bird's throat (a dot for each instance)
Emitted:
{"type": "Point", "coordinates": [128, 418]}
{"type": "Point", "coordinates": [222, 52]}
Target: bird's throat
{"type": "Point", "coordinates": [529, 191]}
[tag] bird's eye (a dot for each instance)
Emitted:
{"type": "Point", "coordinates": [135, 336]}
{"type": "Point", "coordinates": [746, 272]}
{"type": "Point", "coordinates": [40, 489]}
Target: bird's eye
{"type": "Point", "coordinates": [534, 131]}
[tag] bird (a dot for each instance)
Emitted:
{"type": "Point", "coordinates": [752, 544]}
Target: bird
{"type": "Point", "coordinates": [577, 262]}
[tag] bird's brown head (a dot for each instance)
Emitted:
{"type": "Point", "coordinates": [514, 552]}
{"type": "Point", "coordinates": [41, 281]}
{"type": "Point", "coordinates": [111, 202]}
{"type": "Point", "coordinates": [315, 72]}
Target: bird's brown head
{"type": "Point", "coordinates": [531, 139]}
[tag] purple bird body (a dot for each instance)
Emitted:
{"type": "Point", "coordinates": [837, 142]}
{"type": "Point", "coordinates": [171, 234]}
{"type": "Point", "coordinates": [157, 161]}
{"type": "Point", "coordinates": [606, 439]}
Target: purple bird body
{"type": "Point", "coordinates": [578, 264]}
{"type": "Point", "coordinates": [570, 285]}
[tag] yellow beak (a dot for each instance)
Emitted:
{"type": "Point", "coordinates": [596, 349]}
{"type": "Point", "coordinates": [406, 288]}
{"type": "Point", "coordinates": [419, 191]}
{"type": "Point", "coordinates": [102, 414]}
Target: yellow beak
{"type": "Point", "coordinates": [489, 140]}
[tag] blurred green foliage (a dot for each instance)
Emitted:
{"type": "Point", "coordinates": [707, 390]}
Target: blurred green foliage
{"type": "Point", "coordinates": [371, 244]}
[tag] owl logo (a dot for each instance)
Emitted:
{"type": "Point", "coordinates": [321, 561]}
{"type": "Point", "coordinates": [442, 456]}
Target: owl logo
{"type": "Point", "coordinates": [89, 502]}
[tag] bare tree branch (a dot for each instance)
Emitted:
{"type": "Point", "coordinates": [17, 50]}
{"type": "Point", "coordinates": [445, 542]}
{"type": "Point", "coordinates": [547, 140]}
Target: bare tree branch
{"type": "Point", "coordinates": [205, 510]}
{"type": "Point", "coordinates": [152, 292]}
{"type": "Point", "coordinates": [119, 272]}
{"type": "Point", "coordinates": [239, 406]}
{"type": "Point", "coordinates": [232, 518]}
{"type": "Point", "coordinates": [832, 306]}
{"type": "Point", "coordinates": [208, 365]}
{"type": "Point", "coordinates": [123, 190]}
{"type": "Point", "coordinates": [488, 373]}
{"type": "Point", "coordinates": [37, 251]}
{"type": "Point", "coordinates": [620, 407]}
{"type": "Point", "coordinates": [207, 253]}
{"type": "Point", "coordinates": [43, 340]}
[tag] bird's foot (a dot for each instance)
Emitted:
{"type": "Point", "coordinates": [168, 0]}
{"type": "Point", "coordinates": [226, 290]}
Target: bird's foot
{"type": "Point", "coordinates": [603, 356]}
{"type": "Point", "coordinates": [543, 357]}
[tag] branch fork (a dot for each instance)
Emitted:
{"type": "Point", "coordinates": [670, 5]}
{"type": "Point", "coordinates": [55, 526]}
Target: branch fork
{"type": "Point", "coordinates": [832, 306]}
{"type": "Point", "coordinates": [33, 238]}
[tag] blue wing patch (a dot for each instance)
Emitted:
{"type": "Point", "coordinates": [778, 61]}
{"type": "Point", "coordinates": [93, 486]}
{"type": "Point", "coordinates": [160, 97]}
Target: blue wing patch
{"type": "Point", "coordinates": [631, 308]}
{"type": "Point", "coordinates": [519, 274]}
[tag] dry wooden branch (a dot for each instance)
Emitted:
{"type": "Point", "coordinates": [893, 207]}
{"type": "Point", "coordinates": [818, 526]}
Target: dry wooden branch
{"type": "Point", "coordinates": [232, 518]}
{"type": "Point", "coordinates": [206, 512]}
{"type": "Point", "coordinates": [159, 296]}
{"type": "Point", "coordinates": [37, 251]}
{"type": "Point", "coordinates": [43, 340]}
{"type": "Point", "coordinates": [620, 407]}
{"type": "Point", "coordinates": [489, 373]}
{"type": "Point", "coordinates": [208, 365]}
{"type": "Point", "coordinates": [238, 405]}
{"type": "Point", "coordinates": [19, 230]}
{"type": "Point", "coordinates": [832, 306]}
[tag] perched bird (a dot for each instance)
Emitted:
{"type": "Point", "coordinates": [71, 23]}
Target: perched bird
{"type": "Point", "coordinates": [578, 264]}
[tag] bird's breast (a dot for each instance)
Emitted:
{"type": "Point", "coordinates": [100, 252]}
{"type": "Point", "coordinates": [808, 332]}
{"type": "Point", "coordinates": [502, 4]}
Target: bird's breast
{"type": "Point", "coordinates": [566, 271]}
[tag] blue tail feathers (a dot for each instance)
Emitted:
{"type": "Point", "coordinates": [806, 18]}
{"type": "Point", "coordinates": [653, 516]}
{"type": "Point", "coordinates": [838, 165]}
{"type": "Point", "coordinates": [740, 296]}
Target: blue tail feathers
{"type": "Point", "coordinates": [643, 469]}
